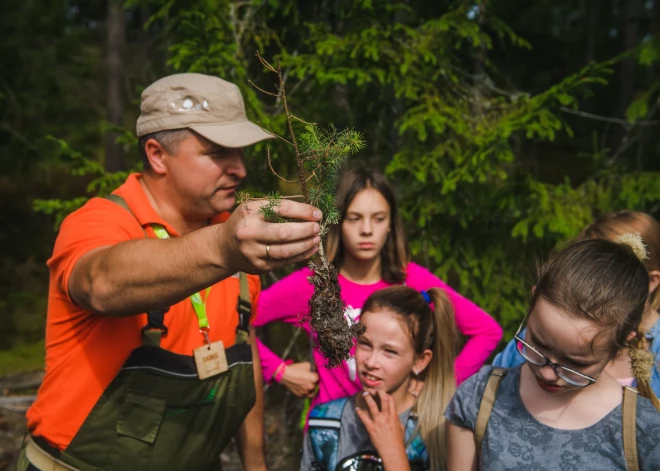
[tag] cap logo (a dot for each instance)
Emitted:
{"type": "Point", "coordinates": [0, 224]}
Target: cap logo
{"type": "Point", "coordinates": [188, 104]}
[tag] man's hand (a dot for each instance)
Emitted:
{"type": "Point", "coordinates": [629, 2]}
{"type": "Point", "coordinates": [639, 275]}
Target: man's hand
{"type": "Point", "coordinates": [248, 243]}
{"type": "Point", "coordinates": [300, 379]}
{"type": "Point", "coordinates": [385, 431]}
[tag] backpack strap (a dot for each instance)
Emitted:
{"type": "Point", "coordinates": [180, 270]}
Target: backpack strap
{"type": "Point", "coordinates": [415, 446]}
{"type": "Point", "coordinates": [486, 407]}
{"type": "Point", "coordinates": [244, 309]}
{"type": "Point", "coordinates": [323, 430]}
{"type": "Point", "coordinates": [629, 414]}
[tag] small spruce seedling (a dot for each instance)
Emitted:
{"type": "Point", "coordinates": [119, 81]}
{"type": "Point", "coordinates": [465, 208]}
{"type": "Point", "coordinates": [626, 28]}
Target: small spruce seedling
{"type": "Point", "coordinates": [319, 153]}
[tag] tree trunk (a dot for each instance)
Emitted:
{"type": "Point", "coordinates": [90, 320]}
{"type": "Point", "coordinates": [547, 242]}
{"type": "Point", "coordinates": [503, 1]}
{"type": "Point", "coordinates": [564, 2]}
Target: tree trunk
{"type": "Point", "coordinates": [629, 36]}
{"type": "Point", "coordinates": [655, 31]}
{"type": "Point", "coordinates": [116, 31]}
{"type": "Point", "coordinates": [592, 14]}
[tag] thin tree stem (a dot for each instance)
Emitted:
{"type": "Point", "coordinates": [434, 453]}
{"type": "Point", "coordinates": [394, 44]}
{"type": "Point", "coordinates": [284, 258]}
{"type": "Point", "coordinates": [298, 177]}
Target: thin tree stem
{"type": "Point", "coordinates": [299, 161]}
{"type": "Point", "coordinates": [270, 165]}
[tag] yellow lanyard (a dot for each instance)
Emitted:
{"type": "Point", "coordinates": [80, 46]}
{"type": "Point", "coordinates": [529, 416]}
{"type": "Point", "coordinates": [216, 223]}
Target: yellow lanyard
{"type": "Point", "coordinates": [198, 304]}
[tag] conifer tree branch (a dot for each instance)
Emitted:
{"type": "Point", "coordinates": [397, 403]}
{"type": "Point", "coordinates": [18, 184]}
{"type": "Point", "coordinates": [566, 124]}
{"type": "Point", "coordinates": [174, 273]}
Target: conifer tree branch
{"type": "Point", "coordinates": [302, 121]}
{"type": "Point", "coordinates": [319, 153]}
{"type": "Point", "coordinates": [289, 122]}
{"type": "Point", "coordinates": [262, 90]}
{"type": "Point", "coordinates": [270, 165]}
{"type": "Point", "coordinates": [265, 63]}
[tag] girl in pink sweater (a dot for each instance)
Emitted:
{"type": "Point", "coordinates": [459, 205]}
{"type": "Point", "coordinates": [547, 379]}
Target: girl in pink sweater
{"type": "Point", "coordinates": [368, 248]}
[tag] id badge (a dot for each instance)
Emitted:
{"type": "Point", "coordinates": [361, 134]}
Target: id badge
{"type": "Point", "coordinates": [210, 359]}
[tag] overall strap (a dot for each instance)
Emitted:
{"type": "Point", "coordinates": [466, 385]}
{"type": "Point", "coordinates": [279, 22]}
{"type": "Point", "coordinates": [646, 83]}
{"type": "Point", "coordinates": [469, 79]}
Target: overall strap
{"type": "Point", "coordinates": [244, 309]}
{"type": "Point", "coordinates": [155, 328]}
{"type": "Point", "coordinates": [629, 414]}
{"type": "Point", "coordinates": [487, 402]}
{"type": "Point", "coordinates": [118, 200]}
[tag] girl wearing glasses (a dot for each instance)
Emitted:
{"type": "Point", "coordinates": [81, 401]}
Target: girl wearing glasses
{"type": "Point", "coordinates": [386, 426]}
{"type": "Point", "coordinates": [610, 227]}
{"type": "Point", "coordinates": [368, 247]}
{"type": "Point", "coordinates": [561, 410]}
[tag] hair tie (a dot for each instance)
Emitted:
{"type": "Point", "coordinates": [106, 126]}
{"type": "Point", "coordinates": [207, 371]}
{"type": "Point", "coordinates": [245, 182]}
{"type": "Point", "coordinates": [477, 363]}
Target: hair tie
{"type": "Point", "coordinates": [426, 297]}
{"type": "Point", "coordinates": [635, 242]}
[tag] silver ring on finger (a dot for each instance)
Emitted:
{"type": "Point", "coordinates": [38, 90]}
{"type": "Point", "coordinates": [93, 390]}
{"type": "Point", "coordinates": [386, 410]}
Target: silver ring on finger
{"type": "Point", "coordinates": [268, 252]}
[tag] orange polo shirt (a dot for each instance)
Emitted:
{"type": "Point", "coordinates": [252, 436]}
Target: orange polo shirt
{"type": "Point", "coordinates": [84, 351]}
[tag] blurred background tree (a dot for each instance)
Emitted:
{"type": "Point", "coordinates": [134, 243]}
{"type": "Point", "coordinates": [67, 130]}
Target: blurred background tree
{"type": "Point", "coordinates": [507, 125]}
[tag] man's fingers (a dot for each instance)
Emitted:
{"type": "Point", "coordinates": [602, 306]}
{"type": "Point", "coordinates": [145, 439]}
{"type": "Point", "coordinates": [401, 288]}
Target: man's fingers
{"type": "Point", "coordinates": [285, 251]}
{"type": "Point", "coordinates": [295, 210]}
{"type": "Point", "coordinates": [287, 209]}
{"type": "Point", "coordinates": [285, 232]}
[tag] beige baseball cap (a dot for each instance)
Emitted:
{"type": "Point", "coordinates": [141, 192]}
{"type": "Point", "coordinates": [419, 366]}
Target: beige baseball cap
{"type": "Point", "coordinates": [208, 105]}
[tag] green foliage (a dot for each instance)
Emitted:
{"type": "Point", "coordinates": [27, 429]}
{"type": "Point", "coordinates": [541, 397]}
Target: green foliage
{"type": "Point", "coordinates": [477, 212]}
{"type": "Point", "coordinates": [475, 125]}
{"type": "Point", "coordinates": [646, 102]}
{"type": "Point", "coordinates": [102, 182]}
{"type": "Point", "coordinates": [269, 210]}
{"type": "Point", "coordinates": [25, 357]}
{"type": "Point", "coordinates": [324, 153]}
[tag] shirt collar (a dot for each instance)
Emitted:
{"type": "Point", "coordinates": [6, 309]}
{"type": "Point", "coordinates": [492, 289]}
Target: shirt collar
{"type": "Point", "coordinates": [137, 200]}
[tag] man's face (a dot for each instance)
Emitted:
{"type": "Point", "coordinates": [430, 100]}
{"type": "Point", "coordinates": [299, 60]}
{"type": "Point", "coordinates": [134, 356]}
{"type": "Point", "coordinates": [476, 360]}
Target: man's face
{"type": "Point", "coordinates": [204, 176]}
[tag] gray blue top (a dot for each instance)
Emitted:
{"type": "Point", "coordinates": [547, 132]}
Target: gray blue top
{"type": "Point", "coordinates": [335, 433]}
{"type": "Point", "coordinates": [509, 357]}
{"type": "Point", "coordinates": [514, 439]}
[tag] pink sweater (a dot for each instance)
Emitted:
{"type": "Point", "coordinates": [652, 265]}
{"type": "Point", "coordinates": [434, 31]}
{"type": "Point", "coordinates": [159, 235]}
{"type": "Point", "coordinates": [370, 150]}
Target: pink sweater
{"type": "Point", "coordinates": [287, 301]}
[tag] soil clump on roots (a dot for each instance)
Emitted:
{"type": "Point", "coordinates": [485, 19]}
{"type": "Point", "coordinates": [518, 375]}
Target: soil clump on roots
{"type": "Point", "coordinates": [334, 333]}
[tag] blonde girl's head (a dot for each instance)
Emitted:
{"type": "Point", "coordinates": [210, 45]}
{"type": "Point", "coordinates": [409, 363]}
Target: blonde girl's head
{"type": "Point", "coordinates": [428, 320]}
{"type": "Point", "coordinates": [612, 226]}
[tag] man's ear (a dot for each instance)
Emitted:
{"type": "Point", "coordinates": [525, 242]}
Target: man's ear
{"type": "Point", "coordinates": [533, 290]}
{"type": "Point", "coordinates": [155, 153]}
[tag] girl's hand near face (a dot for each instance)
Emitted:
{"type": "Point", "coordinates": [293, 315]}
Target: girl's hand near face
{"type": "Point", "coordinates": [385, 431]}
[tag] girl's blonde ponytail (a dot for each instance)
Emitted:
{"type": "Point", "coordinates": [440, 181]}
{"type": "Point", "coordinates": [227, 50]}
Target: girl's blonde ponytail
{"type": "Point", "coordinates": [642, 362]}
{"type": "Point", "coordinates": [438, 377]}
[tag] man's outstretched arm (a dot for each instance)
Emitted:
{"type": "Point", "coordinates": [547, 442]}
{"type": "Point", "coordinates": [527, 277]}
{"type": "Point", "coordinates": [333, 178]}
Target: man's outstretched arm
{"type": "Point", "coordinates": [141, 275]}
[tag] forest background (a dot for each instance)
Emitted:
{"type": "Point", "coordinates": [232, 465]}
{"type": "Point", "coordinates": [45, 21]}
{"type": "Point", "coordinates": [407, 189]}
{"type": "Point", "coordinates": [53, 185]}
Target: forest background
{"type": "Point", "coordinates": [506, 125]}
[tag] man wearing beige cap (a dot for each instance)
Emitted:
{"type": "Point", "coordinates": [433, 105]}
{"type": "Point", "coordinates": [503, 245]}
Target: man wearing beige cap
{"type": "Point", "coordinates": [150, 359]}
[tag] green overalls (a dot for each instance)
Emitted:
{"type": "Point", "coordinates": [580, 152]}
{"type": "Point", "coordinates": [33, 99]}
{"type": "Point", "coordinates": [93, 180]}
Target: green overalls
{"type": "Point", "coordinates": [157, 414]}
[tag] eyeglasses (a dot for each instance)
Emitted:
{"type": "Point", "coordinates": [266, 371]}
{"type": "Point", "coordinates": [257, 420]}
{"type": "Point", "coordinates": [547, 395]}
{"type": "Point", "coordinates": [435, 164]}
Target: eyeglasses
{"type": "Point", "coordinates": [529, 353]}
